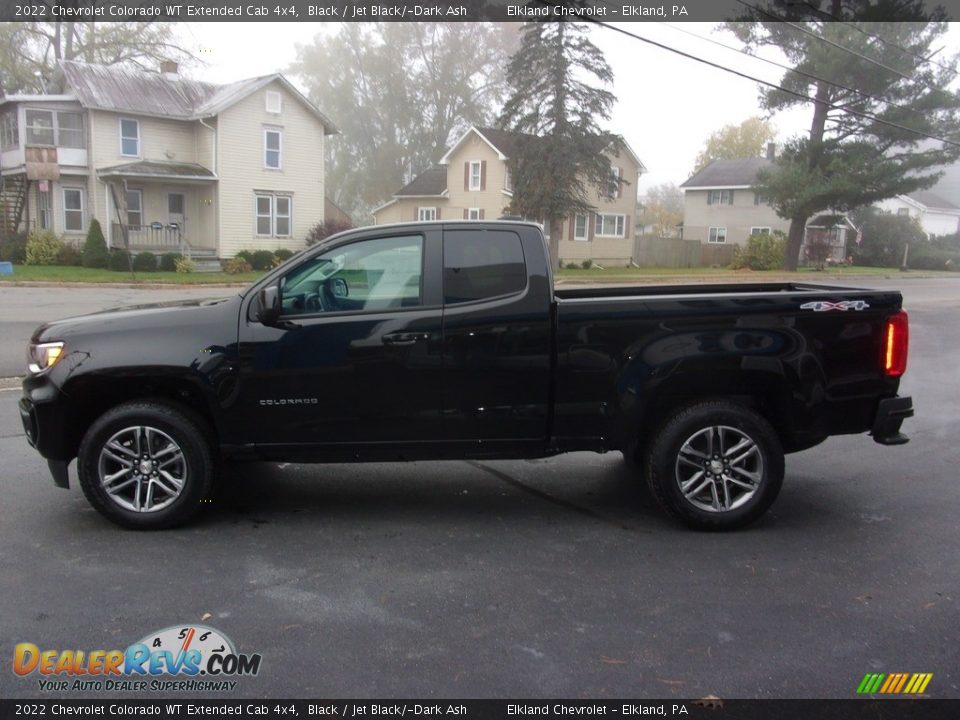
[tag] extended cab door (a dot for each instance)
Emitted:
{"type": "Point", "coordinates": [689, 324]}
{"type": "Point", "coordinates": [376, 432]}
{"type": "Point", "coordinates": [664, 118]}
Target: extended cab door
{"type": "Point", "coordinates": [497, 337]}
{"type": "Point", "coordinates": [353, 366]}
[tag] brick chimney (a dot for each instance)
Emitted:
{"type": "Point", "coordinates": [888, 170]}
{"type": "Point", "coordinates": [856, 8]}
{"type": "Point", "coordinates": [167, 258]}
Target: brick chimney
{"type": "Point", "coordinates": [771, 151]}
{"type": "Point", "coordinates": [169, 69]}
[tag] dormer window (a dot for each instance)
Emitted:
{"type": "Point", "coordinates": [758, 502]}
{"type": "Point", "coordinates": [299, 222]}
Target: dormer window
{"type": "Point", "coordinates": [129, 137]}
{"type": "Point", "coordinates": [274, 102]}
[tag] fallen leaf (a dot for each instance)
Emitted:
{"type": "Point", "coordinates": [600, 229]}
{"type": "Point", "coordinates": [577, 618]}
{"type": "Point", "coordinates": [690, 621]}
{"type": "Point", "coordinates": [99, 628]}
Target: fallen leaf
{"type": "Point", "coordinates": [665, 681]}
{"type": "Point", "coordinates": [206, 616]}
{"type": "Point", "coordinates": [612, 661]}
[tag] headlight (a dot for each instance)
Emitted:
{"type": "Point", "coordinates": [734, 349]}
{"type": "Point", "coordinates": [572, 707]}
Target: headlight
{"type": "Point", "coordinates": [43, 356]}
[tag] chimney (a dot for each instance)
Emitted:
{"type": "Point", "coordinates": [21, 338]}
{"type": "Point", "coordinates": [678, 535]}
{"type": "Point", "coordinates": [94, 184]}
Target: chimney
{"type": "Point", "coordinates": [169, 69]}
{"type": "Point", "coordinates": [771, 151]}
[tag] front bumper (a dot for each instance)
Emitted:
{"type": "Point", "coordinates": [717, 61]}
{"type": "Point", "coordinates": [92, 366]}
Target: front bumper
{"type": "Point", "coordinates": [42, 414]}
{"type": "Point", "coordinates": [891, 412]}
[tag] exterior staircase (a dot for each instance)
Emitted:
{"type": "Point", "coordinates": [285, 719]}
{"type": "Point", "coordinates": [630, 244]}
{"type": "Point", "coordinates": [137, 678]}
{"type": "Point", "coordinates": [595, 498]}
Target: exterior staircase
{"type": "Point", "coordinates": [13, 198]}
{"type": "Point", "coordinates": [205, 260]}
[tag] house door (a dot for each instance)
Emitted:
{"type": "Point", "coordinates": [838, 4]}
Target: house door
{"type": "Point", "coordinates": [176, 207]}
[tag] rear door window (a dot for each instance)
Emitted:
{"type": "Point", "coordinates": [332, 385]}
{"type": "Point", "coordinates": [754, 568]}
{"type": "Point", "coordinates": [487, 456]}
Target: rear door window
{"type": "Point", "coordinates": [482, 264]}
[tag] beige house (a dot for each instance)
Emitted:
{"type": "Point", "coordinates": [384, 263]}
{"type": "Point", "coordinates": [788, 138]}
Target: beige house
{"type": "Point", "coordinates": [472, 182]}
{"type": "Point", "coordinates": [720, 206]}
{"type": "Point", "coordinates": [175, 164]}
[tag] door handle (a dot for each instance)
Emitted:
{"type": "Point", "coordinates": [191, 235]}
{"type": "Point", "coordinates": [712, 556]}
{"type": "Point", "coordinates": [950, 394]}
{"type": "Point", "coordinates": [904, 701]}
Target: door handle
{"type": "Point", "coordinates": [404, 338]}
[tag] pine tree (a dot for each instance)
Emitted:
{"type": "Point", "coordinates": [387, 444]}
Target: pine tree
{"type": "Point", "coordinates": [550, 101]}
{"type": "Point", "coordinates": [876, 95]}
{"type": "Point", "coordinates": [94, 253]}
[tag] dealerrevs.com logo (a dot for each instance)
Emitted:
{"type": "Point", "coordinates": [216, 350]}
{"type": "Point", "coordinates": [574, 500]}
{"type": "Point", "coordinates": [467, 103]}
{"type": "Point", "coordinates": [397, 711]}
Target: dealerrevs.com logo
{"type": "Point", "coordinates": [188, 658]}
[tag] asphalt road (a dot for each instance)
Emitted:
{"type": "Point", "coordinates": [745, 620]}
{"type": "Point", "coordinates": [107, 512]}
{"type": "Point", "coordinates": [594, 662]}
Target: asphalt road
{"type": "Point", "coordinates": [524, 579]}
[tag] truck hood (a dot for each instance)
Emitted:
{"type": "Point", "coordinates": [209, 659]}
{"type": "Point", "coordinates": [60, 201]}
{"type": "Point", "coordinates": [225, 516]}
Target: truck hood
{"type": "Point", "coordinates": [139, 318]}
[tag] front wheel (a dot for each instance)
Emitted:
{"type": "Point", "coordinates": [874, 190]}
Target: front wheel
{"type": "Point", "coordinates": [715, 466]}
{"type": "Point", "coordinates": [146, 465]}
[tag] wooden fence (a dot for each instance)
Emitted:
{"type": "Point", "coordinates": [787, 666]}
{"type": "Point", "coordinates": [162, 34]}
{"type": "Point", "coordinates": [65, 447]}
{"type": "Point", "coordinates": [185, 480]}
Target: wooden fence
{"type": "Point", "coordinates": [649, 251]}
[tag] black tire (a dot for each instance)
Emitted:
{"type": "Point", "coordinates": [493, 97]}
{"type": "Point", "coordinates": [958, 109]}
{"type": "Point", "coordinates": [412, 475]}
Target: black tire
{"type": "Point", "coordinates": [718, 494]}
{"type": "Point", "coordinates": [181, 443]}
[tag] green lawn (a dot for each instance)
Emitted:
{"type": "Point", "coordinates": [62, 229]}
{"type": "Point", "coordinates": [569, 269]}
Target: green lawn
{"type": "Point", "coordinates": [60, 273]}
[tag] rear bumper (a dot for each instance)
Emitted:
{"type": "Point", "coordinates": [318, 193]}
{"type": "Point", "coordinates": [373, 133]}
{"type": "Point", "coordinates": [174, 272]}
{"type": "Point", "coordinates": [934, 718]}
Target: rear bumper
{"type": "Point", "coordinates": [891, 412]}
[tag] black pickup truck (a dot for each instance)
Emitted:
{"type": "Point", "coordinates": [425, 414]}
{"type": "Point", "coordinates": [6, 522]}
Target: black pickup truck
{"type": "Point", "coordinates": [448, 340]}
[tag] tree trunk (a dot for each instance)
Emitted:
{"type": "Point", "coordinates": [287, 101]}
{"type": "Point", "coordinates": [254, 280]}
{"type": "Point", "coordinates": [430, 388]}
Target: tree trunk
{"type": "Point", "coordinates": [553, 245]}
{"type": "Point", "coordinates": [794, 242]}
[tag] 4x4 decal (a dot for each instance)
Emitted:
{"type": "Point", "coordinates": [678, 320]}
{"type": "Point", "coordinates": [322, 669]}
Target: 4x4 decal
{"type": "Point", "coordinates": [825, 305]}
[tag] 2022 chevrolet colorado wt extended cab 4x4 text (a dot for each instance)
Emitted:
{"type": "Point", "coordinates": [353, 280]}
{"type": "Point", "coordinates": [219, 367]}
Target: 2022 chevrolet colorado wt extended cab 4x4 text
{"type": "Point", "coordinates": [447, 340]}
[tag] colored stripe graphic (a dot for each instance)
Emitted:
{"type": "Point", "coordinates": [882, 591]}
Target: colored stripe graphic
{"type": "Point", "coordinates": [894, 683]}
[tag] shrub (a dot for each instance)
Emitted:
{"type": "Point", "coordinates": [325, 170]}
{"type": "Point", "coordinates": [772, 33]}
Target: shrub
{"type": "Point", "coordinates": [236, 266]}
{"type": "Point", "coordinates": [168, 261]}
{"type": "Point", "coordinates": [586, 264]}
{"type": "Point", "coordinates": [119, 261]}
{"type": "Point", "coordinates": [321, 231]}
{"type": "Point", "coordinates": [762, 252]}
{"type": "Point", "coordinates": [927, 256]}
{"type": "Point", "coordinates": [184, 265]}
{"type": "Point", "coordinates": [43, 248]}
{"type": "Point", "coordinates": [884, 236]}
{"type": "Point", "coordinates": [95, 253]}
{"type": "Point", "coordinates": [244, 255]}
{"type": "Point", "coordinates": [262, 260]}
{"type": "Point", "coordinates": [69, 255]}
{"type": "Point", "coordinates": [145, 262]}
{"type": "Point", "coordinates": [283, 255]}
{"type": "Point", "coordinates": [14, 249]}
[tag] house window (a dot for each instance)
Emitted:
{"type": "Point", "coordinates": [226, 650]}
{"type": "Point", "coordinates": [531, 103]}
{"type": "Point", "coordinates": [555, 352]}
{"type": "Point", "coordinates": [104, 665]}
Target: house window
{"type": "Point", "coordinates": [134, 209]}
{"type": "Point", "coordinates": [274, 215]}
{"type": "Point", "coordinates": [476, 174]}
{"type": "Point", "coordinates": [717, 235]}
{"type": "Point", "coordinates": [474, 214]}
{"type": "Point", "coordinates": [903, 211]}
{"type": "Point", "coordinates": [129, 137]}
{"type": "Point", "coordinates": [73, 205]}
{"type": "Point", "coordinates": [759, 230]}
{"type": "Point", "coordinates": [610, 225]}
{"type": "Point", "coordinates": [9, 130]}
{"type": "Point", "coordinates": [613, 190]}
{"type": "Point", "coordinates": [759, 199]}
{"type": "Point", "coordinates": [580, 227]}
{"type": "Point", "coordinates": [720, 197]}
{"type": "Point", "coordinates": [45, 207]}
{"type": "Point", "coordinates": [40, 127]}
{"type": "Point", "coordinates": [274, 102]}
{"type": "Point", "coordinates": [69, 129]}
{"type": "Point", "coordinates": [507, 179]}
{"type": "Point", "coordinates": [272, 147]}
{"type": "Point", "coordinates": [426, 213]}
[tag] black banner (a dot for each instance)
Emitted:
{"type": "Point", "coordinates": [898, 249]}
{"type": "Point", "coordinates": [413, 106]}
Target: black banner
{"type": "Point", "coordinates": [422, 10]}
{"type": "Point", "coordinates": [713, 708]}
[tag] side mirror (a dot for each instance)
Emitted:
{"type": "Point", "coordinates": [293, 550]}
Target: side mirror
{"type": "Point", "coordinates": [340, 288]}
{"type": "Point", "coordinates": [269, 311]}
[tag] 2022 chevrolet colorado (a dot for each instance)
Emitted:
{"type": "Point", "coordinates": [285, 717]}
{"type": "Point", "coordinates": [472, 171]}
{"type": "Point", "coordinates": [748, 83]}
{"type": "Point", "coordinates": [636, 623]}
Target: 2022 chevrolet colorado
{"type": "Point", "coordinates": [448, 340]}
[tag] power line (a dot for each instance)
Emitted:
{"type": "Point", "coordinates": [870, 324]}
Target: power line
{"type": "Point", "coordinates": [883, 40]}
{"type": "Point", "coordinates": [828, 41]}
{"type": "Point", "coordinates": [802, 96]}
{"type": "Point", "coordinates": [802, 73]}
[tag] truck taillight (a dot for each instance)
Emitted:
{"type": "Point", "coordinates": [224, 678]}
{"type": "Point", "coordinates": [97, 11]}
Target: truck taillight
{"type": "Point", "coordinates": [896, 339]}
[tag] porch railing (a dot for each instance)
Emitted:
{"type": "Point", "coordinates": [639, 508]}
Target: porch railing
{"type": "Point", "coordinates": [152, 237]}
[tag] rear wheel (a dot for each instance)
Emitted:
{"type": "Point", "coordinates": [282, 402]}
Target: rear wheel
{"type": "Point", "coordinates": [715, 466]}
{"type": "Point", "coordinates": [146, 465]}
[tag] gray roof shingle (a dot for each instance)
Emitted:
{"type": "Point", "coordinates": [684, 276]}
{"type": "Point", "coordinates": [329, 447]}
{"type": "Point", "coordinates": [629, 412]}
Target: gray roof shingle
{"type": "Point", "coordinates": [932, 200]}
{"type": "Point", "coordinates": [429, 182]}
{"type": "Point", "coordinates": [727, 173]}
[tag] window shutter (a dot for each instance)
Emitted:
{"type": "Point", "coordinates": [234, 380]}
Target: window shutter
{"type": "Point", "coordinates": [438, 213]}
{"type": "Point", "coordinates": [416, 213]}
{"type": "Point", "coordinates": [709, 197]}
{"type": "Point", "coordinates": [466, 214]}
{"type": "Point", "coordinates": [573, 225]}
{"type": "Point", "coordinates": [626, 226]}
{"type": "Point", "coordinates": [619, 182]}
{"type": "Point", "coordinates": [483, 175]}
{"type": "Point", "coordinates": [592, 226]}
{"type": "Point", "coordinates": [731, 197]}
{"type": "Point", "coordinates": [482, 213]}
{"type": "Point", "coordinates": [466, 176]}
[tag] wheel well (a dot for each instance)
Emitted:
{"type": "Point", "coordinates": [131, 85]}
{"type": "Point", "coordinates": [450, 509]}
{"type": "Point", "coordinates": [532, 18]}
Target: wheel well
{"type": "Point", "coordinates": [769, 397]}
{"type": "Point", "coordinates": [94, 399]}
